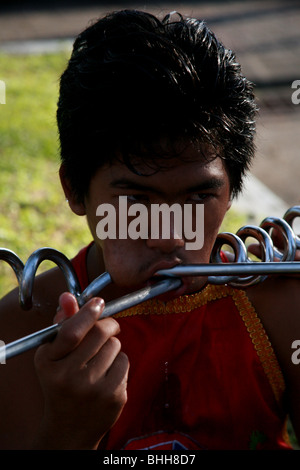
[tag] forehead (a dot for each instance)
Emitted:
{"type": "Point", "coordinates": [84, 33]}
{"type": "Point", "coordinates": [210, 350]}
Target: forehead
{"type": "Point", "coordinates": [177, 174]}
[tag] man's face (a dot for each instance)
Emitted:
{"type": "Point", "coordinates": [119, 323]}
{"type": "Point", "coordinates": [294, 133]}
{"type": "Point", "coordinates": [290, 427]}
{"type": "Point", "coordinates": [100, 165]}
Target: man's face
{"type": "Point", "coordinates": [132, 263]}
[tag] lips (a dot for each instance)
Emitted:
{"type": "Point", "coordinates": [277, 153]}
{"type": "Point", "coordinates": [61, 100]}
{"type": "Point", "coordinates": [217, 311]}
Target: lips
{"type": "Point", "coordinates": [154, 278]}
{"type": "Point", "coordinates": [189, 284]}
{"type": "Point", "coordinates": [165, 264]}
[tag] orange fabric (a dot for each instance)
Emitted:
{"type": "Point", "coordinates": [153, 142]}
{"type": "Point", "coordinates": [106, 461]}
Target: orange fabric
{"type": "Point", "coordinates": [202, 375]}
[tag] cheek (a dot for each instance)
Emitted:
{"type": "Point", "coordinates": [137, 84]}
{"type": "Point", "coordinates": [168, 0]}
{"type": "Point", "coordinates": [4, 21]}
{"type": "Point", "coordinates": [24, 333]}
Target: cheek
{"type": "Point", "coordinates": [122, 260]}
{"type": "Point", "coordinates": [212, 223]}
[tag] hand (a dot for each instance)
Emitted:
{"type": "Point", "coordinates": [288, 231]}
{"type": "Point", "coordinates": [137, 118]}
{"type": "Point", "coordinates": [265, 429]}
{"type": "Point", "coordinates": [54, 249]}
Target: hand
{"type": "Point", "coordinates": [83, 376]}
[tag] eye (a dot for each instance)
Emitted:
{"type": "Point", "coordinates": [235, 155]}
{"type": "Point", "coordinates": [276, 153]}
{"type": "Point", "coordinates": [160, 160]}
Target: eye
{"type": "Point", "coordinates": [137, 198]}
{"type": "Point", "coordinates": [199, 197]}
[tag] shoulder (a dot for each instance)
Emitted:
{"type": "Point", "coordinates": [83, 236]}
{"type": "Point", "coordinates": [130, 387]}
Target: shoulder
{"type": "Point", "coordinates": [277, 300]}
{"type": "Point", "coordinates": [277, 303]}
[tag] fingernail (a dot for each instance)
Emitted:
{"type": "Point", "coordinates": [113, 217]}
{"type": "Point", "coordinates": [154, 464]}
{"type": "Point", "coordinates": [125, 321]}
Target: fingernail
{"type": "Point", "coordinates": [99, 303]}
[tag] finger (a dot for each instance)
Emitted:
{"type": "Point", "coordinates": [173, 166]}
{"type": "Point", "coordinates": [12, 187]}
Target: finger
{"type": "Point", "coordinates": [100, 337]}
{"type": "Point", "coordinates": [117, 374]}
{"type": "Point", "coordinates": [67, 307]}
{"type": "Point", "coordinates": [74, 329]}
{"type": "Point", "coordinates": [98, 366]}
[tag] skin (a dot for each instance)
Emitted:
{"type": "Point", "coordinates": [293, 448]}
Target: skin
{"type": "Point", "coordinates": [83, 372]}
{"type": "Point", "coordinates": [184, 182]}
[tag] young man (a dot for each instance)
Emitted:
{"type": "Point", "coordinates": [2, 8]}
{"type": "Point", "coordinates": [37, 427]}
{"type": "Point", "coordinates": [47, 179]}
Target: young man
{"type": "Point", "coordinates": [159, 112]}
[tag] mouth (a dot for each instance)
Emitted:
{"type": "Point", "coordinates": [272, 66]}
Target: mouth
{"type": "Point", "coordinates": [154, 278]}
{"type": "Point", "coordinates": [161, 265]}
{"type": "Point", "coordinates": [177, 292]}
{"type": "Point", "coordinates": [189, 284]}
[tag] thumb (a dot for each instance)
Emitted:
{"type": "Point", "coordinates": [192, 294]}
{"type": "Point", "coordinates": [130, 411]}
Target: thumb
{"type": "Point", "coordinates": [68, 306]}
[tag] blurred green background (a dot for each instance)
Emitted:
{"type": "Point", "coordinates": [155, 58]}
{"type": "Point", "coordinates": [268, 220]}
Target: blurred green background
{"type": "Point", "coordinates": [33, 210]}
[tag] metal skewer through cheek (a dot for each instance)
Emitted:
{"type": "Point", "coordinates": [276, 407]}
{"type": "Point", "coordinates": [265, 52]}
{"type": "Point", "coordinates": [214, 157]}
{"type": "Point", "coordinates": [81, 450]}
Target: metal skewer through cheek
{"type": "Point", "coordinates": [241, 273]}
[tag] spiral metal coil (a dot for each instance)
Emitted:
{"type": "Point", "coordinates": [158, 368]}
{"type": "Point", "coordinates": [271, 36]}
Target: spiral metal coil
{"type": "Point", "coordinates": [242, 272]}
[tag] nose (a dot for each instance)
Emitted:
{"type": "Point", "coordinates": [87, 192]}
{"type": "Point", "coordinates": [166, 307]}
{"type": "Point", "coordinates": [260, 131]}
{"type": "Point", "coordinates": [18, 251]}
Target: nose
{"type": "Point", "coordinates": [166, 242]}
{"type": "Point", "coordinates": [165, 245]}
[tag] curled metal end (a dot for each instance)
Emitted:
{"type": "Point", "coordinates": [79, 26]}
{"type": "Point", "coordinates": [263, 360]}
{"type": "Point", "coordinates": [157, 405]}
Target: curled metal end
{"type": "Point", "coordinates": [287, 234]}
{"type": "Point", "coordinates": [31, 266]}
{"type": "Point", "coordinates": [267, 252]}
{"type": "Point", "coordinates": [291, 214]}
{"type": "Point", "coordinates": [14, 261]}
{"type": "Point", "coordinates": [239, 250]}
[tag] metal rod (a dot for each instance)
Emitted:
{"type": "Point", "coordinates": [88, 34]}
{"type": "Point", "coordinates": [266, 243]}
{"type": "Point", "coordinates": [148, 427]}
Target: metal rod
{"type": "Point", "coordinates": [147, 293]}
{"type": "Point", "coordinates": [115, 306]}
{"type": "Point", "coordinates": [94, 288]}
{"type": "Point", "coordinates": [232, 269]}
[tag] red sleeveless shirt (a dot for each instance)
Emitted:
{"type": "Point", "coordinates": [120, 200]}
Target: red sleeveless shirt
{"type": "Point", "coordinates": [203, 374]}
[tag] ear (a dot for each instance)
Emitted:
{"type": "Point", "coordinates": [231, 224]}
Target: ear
{"type": "Point", "coordinates": [77, 207]}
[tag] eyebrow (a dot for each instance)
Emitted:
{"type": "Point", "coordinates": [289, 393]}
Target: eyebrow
{"type": "Point", "coordinates": [211, 183]}
{"type": "Point", "coordinates": [126, 183]}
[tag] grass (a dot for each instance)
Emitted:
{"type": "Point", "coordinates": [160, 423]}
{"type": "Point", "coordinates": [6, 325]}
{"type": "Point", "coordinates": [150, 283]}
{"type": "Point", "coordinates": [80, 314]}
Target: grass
{"type": "Point", "coordinates": [33, 210]}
